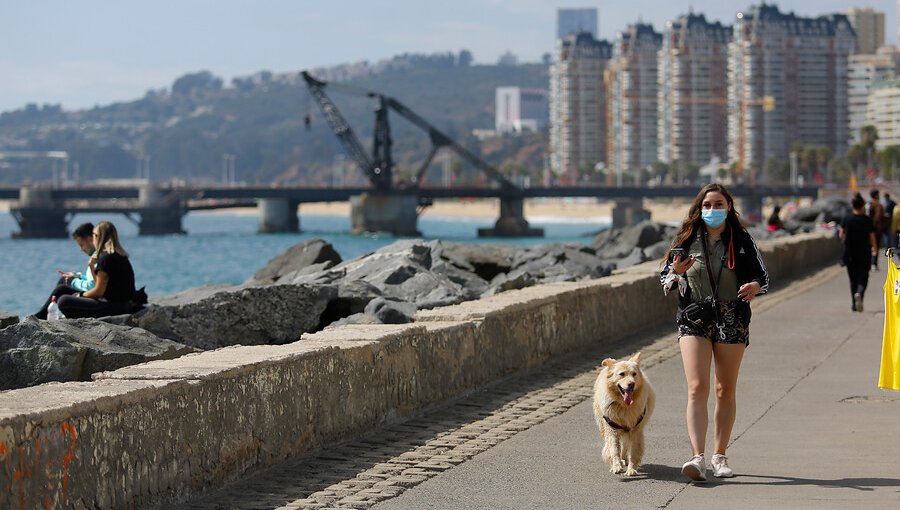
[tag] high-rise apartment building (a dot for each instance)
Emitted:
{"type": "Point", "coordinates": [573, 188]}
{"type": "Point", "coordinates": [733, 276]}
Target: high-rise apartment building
{"type": "Point", "coordinates": [787, 84]}
{"type": "Point", "coordinates": [884, 112]}
{"type": "Point", "coordinates": [693, 69]}
{"type": "Point", "coordinates": [631, 82]}
{"type": "Point", "coordinates": [574, 21]}
{"type": "Point", "coordinates": [578, 105]}
{"type": "Point", "coordinates": [517, 109]}
{"type": "Point", "coordinates": [869, 27]}
{"type": "Point", "coordinates": [864, 71]}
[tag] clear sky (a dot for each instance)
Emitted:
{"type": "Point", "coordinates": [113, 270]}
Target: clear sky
{"type": "Point", "coordinates": [81, 53]}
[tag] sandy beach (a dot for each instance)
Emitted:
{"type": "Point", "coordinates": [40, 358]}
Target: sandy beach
{"type": "Point", "coordinates": [535, 209]}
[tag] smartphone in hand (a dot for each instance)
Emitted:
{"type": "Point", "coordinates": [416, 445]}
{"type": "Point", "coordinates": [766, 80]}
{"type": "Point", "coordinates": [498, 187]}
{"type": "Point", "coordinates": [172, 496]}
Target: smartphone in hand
{"type": "Point", "coordinates": [679, 252]}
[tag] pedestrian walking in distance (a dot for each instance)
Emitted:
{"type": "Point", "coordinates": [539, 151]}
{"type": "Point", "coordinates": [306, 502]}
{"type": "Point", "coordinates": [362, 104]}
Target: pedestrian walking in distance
{"type": "Point", "coordinates": [716, 267]}
{"type": "Point", "coordinates": [860, 247]}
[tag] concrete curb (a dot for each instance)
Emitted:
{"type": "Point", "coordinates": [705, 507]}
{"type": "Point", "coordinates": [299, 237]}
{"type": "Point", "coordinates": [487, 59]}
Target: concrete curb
{"type": "Point", "coordinates": [157, 433]}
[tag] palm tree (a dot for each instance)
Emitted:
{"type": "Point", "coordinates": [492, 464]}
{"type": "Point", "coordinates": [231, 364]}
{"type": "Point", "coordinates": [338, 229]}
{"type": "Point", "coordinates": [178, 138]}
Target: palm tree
{"type": "Point", "coordinates": [868, 135]}
{"type": "Point", "coordinates": [856, 156]}
{"type": "Point", "coordinates": [823, 159]}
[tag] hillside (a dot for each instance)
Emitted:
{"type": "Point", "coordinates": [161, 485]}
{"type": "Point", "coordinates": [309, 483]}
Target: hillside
{"type": "Point", "coordinates": [186, 128]}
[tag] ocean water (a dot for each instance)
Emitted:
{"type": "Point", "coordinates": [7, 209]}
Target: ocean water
{"type": "Point", "coordinates": [222, 247]}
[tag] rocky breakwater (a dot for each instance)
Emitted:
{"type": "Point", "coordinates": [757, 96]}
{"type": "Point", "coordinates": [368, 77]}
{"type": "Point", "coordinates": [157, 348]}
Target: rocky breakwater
{"type": "Point", "coordinates": [822, 211]}
{"type": "Point", "coordinates": [34, 351]}
{"type": "Point", "coordinates": [308, 288]}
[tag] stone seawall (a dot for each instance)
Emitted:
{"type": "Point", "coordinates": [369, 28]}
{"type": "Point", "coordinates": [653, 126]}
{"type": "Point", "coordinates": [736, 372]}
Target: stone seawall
{"type": "Point", "coordinates": [153, 434]}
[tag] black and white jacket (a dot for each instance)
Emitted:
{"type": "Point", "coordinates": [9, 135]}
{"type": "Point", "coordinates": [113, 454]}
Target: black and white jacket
{"type": "Point", "coordinates": [748, 263]}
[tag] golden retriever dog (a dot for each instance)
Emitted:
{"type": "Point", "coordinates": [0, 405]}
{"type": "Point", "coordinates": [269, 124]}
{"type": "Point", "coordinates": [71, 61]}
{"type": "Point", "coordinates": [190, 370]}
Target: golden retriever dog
{"type": "Point", "coordinates": [623, 403]}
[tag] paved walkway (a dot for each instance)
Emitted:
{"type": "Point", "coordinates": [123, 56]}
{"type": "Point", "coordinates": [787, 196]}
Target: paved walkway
{"type": "Point", "coordinates": [813, 431]}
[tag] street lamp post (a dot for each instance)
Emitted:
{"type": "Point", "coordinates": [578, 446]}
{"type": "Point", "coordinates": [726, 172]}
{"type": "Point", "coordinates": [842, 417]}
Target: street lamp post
{"type": "Point", "coordinates": [228, 174]}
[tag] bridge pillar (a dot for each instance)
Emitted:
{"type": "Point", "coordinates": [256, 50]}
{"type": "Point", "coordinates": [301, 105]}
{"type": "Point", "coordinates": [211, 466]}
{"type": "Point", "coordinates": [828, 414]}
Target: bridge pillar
{"type": "Point", "coordinates": [397, 214]}
{"type": "Point", "coordinates": [512, 222]}
{"type": "Point", "coordinates": [278, 215]}
{"type": "Point", "coordinates": [161, 212]}
{"type": "Point", "coordinates": [38, 215]}
{"type": "Point", "coordinates": [629, 212]}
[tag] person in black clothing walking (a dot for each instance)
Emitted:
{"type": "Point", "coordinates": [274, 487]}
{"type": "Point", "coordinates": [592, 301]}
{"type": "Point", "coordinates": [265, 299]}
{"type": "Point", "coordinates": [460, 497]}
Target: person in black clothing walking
{"type": "Point", "coordinates": [860, 248]}
{"type": "Point", "coordinates": [889, 205]}
{"type": "Point", "coordinates": [879, 221]}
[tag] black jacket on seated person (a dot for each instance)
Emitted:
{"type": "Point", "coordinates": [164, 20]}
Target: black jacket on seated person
{"type": "Point", "coordinates": [117, 297]}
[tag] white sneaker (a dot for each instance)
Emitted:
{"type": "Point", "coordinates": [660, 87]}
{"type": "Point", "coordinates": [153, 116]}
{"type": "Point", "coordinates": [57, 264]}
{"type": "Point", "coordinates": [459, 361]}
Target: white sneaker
{"type": "Point", "coordinates": [695, 469]}
{"type": "Point", "coordinates": [720, 467]}
{"type": "Point", "coordinates": [857, 300]}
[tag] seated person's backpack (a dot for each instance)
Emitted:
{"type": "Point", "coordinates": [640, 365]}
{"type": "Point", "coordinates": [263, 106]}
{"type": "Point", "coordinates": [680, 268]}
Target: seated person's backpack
{"type": "Point", "coordinates": [139, 299]}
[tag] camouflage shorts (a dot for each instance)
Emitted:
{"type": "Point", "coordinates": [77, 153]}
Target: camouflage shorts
{"type": "Point", "coordinates": [735, 315]}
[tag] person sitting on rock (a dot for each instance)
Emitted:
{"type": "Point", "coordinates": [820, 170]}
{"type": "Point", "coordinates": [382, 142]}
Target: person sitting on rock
{"type": "Point", "coordinates": [113, 292]}
{"type": "Point", "coordinates": [71, 282]}
{"type": "Point", "coordinates": [774, 222]}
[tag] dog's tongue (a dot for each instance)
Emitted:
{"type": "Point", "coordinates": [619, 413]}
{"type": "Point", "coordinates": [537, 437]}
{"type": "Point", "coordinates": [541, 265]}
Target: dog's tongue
{"type": "Point", "coordinates": [629, 397]}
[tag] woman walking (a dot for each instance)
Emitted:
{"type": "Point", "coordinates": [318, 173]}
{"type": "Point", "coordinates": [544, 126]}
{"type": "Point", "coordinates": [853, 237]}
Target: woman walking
{"type": "Point", "coordinates": [113, 291]}
{"type": "Point", "coordinates": [717, 268]}
{"type": "Point", "coordinates": [860, 248]}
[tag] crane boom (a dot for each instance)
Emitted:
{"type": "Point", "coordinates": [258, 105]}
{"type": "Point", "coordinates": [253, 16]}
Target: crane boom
{"type": "Point", "coordinates": [439, 139]}
{"type": "Point", "coordinates": [345, 134]}
{"type": "Point", "coordinates": [379, 167]}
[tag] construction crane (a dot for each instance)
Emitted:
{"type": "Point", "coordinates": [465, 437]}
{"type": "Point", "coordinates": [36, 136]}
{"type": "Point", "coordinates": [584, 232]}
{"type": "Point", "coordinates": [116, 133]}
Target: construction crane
{"type": "Point", "coordinates": [379, 167]}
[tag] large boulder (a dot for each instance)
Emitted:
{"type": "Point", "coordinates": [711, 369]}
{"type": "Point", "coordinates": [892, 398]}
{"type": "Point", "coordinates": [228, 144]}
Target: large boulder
{"type": "Point", "coordinates": [8, 319]}
{"type": "Point", "coordinates": [618, 243]}
{"type": "Point", "coordinates": [298, 259]}
{"type": "Point", "coordinates": [550, 263]}
{"type": "Point", "coordinates": [412, 271]}
{"type": "Point", "coordinates": [823, 210]}
{"type": "Point", "coordinates": [34, 352]}
{"type": "Point", "coordinates": [352, 298]}
{"type": "Point", "coordinates": [271, 314]}
{"type": "Point", "coordinates": [485, 260]}
{"type": "Point", "coordinates": [634, 258]}
{"type": "Point", "coordinates": [191, 295]}
{"type": "Point", "coordinates": [389, 311]}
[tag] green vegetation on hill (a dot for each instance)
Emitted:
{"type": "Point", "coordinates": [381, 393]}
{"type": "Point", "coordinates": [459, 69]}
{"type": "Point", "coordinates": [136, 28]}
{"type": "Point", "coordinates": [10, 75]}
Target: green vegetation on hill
{"type": "Point", "coordinates": [186, 130]}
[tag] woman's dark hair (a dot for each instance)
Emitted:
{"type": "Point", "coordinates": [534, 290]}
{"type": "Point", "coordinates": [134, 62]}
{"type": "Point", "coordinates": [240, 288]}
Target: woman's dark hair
{"type": "Point", "coordinates": [83, 230]}
{"type": "Point", "coordinates": [858, 202]}
{"type": "Point", "coordinates": [693, 221]}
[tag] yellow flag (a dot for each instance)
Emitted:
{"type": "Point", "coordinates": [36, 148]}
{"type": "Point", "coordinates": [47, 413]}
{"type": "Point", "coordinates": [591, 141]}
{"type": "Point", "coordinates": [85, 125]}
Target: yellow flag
{"type": "Point", "coordinates": [852, 182]}
{"type": "Point", "coordinates": [889, 376]}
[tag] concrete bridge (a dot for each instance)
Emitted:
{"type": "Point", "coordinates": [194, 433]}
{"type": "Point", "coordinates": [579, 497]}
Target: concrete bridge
{"type": "Point", "coordinates": [477, 405]}
{"type": "Point", "coordinates": [44, 211]}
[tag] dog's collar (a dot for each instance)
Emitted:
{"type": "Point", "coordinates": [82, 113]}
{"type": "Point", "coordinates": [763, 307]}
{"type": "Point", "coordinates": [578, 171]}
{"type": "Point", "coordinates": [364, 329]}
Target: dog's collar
{"type": "Point", "coordinates": [621, 427]}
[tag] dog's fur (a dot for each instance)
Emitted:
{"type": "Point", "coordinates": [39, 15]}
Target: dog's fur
{"type": "Point", "coordinates": [623, 394]}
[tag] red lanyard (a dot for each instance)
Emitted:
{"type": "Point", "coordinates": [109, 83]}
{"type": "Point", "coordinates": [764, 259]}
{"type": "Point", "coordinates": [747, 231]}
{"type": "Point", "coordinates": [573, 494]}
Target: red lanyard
{"type": "Point", "coordinates": [731, 252]}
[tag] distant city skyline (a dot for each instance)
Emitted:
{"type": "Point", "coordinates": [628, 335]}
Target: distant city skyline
{"type": "Point", "coordinates": [82, 54]}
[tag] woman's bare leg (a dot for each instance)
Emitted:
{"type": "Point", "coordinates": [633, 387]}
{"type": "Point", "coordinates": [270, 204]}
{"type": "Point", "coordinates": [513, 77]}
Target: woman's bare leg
{"type": "Point", "coordinates": [696, 355]}
{"type": "Point", "coordinates": [728, 363]}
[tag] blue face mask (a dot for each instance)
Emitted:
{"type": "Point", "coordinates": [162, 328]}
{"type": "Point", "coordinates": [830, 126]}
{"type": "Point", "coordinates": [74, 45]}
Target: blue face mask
{"type": "Point", "coordinates": [714, 217]}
